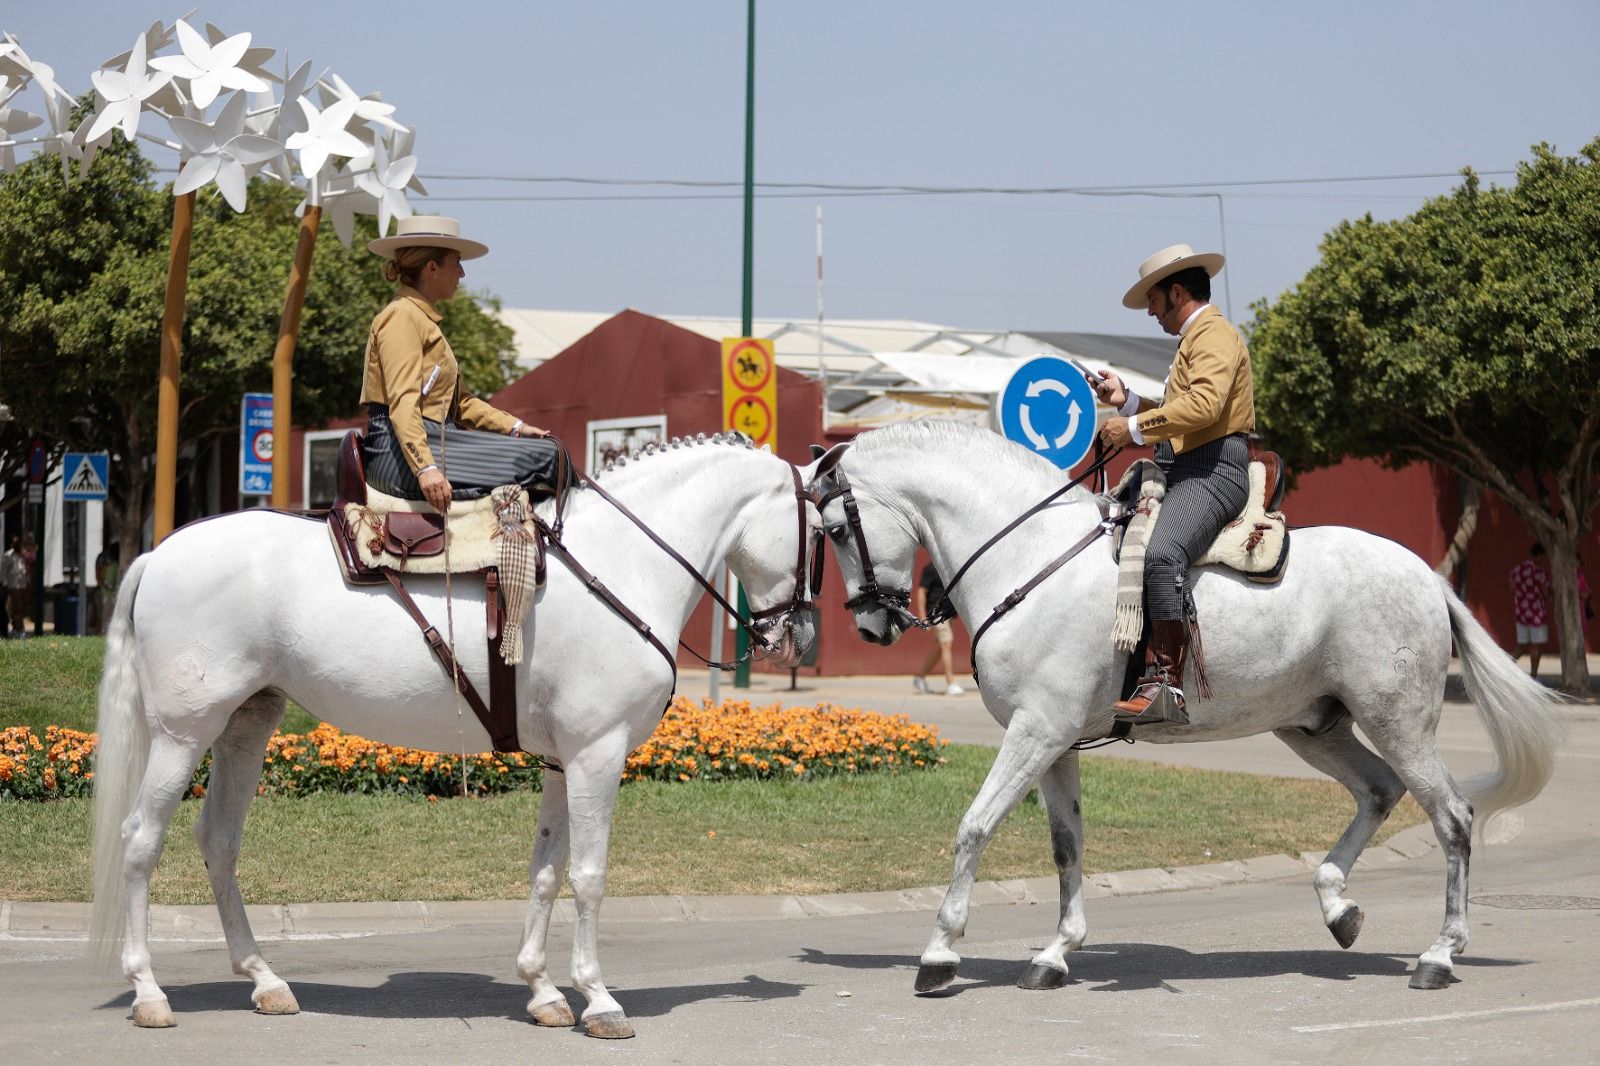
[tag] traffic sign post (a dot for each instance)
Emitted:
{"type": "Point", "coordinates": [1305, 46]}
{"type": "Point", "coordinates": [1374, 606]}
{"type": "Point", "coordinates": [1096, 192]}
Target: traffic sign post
{"type": "Point", "coordinates": [749, 405]}
{"type": "Point", "coordinates": [256, 444]}
{"type": "Point", "coordinates": [1048, 408]}
{"type": "Point", "coordinates": [85, 477]}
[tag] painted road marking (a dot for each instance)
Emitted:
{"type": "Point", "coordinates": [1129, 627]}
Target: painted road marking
{"type": "Point", "coordinates": [1457, 1016]}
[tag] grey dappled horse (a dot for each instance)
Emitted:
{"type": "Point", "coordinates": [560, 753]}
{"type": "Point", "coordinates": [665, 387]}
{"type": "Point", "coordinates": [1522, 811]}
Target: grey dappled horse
{"type": "Point", "coordinates": [1358, 632]}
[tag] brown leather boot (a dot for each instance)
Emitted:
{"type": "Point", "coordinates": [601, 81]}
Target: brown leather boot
{"type": "Point", "coordinates": [1169, 645]}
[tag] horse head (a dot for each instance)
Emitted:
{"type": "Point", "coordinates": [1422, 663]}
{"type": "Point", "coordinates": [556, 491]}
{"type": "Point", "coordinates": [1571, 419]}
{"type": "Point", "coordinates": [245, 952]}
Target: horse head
{"type": "Point", "coordinates": [875, 547]}
{"type": "Point", "coordinates": [777, 558]}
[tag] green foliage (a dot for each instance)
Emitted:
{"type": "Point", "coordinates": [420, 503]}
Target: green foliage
{"type": "Point", "coordinates": [1467, 333]}
{"type": "Point", "coordinates": [83, 270]}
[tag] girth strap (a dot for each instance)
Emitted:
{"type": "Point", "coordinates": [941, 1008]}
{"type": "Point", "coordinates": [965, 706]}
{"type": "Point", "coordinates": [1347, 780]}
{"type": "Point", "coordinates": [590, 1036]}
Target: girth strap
{"type": "Point", "coordinates": [501, 723]}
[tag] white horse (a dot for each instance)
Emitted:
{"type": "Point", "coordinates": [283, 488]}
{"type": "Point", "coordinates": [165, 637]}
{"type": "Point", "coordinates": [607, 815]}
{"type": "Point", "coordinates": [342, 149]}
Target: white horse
{"type": "Point", "coordinates": [228, 617]}
{"type": "Point", "coordinates": [1358, 632]}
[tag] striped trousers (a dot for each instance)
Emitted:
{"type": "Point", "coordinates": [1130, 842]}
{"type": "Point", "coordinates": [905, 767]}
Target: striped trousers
{"type": "Point", "coordinates": [1206, 489]}
{"type": "Point", "coordinates": [475, 462]}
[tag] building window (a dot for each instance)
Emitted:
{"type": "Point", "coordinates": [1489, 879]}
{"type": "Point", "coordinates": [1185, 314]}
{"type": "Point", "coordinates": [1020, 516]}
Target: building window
{"type": "Point", "coordinates": [322, 466]}
{"type": "Point", "coordinates": [611, 437]}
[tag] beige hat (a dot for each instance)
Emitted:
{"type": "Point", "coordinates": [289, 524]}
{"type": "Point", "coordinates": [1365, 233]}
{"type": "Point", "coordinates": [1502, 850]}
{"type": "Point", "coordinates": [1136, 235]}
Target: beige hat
{"type": "Point", "coordinates": [427, 231]}
{"type": "Point", "coordinates": [1165, 263]}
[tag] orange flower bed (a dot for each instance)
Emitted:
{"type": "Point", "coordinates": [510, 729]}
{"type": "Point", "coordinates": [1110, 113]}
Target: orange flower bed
{"type": "Point", "coordinates": [58, 765]}
{"type": "Point", "coordinates": [693, 742]}
{"type": "Point", "coordinates": [736, 740]}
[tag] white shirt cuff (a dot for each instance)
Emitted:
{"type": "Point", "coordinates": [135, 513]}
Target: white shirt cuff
{"type": "Point", "coordinates": [516, 430]}
{"type": "Point", "coordinates": [1130, 411]}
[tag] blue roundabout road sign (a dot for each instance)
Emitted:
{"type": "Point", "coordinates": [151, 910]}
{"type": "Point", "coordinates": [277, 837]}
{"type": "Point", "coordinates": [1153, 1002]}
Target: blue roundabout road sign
{"type": "Point", "coordinates": [1048, 408]}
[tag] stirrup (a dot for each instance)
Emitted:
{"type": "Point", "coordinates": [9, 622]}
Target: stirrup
{"type": "Point", "coordinates": [1163, 704]}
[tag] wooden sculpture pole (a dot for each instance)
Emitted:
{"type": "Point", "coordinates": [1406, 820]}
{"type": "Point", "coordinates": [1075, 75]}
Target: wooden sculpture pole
{"type": "Point", "coordinates": [171, 357]}
{"type": "Point", "coordinates": [283, 354]}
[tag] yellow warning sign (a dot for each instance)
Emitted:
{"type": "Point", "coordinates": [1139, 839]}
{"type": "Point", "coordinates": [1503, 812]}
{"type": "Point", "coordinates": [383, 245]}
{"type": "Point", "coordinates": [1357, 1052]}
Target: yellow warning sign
{"type": "Point", "coordinates": [750, 388]}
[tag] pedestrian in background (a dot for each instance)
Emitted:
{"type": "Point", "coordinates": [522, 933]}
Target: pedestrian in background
{"type": "Point", "coordinates": [1530, 606]}
{"type": "Point", "coordinates": [13, 589]}
{"type": "Point", "coordinates": [930, 589]}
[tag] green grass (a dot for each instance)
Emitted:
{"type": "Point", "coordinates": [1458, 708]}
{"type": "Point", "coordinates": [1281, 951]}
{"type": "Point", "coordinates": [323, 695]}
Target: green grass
{"type": "Point", "coordinates": [834, 835]}
{"type": "Point", "coordinates": [52, 680]}
{"type": "Point", "coordinates": [697, 838]}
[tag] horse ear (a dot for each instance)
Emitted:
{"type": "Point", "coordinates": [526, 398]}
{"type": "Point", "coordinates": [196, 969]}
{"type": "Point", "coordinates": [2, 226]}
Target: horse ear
{"type": "Point", "coordinates": [817, 452]}
{"type": "Point", "coordinates": [824, 463]}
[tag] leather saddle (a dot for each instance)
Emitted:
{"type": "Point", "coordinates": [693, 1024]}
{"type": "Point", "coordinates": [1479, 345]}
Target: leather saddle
{"type": "Point", "coordinates": [416, 535]}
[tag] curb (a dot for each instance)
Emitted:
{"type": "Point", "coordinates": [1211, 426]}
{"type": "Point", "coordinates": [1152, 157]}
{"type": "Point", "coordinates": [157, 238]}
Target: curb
{"type": "Point", "coordinates": [23, 921]}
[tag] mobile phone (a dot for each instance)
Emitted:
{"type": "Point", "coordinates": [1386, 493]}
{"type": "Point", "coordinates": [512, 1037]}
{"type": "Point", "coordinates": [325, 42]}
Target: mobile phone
{"type": "Point", "coordinates": [1086, 370]}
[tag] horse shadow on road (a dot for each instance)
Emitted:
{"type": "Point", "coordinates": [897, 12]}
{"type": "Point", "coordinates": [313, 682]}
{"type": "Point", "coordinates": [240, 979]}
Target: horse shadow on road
{"type": "Point", "coordinates": [1130, 967]}
{"type": "Point", "coordinates": [453, 994]}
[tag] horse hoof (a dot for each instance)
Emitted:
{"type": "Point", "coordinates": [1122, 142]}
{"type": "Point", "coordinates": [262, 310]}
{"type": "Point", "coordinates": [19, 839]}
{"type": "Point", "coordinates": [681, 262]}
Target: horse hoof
{"type": "Point", "coordinates": [1347, 926]}
{"type": "Point", "coordinates": [932, 976]}
{"type": "Point", "coordinates": [556, 1013]}
{"type": "Point", "coordinates": [276, 1000]}
{"type": "Point", "coordinates": [1430, 975]}
{"type": "Point", "coordinates": [612, 1025]}
{"type": "Point", "coordinates": [1040, 976]}
{"type": "Point", "coordinates": [153, 1014]}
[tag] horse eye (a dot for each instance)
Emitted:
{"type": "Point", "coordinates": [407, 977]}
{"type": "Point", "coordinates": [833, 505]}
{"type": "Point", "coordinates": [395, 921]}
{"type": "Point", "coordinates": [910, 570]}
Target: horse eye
{"type": "Point", "coordinates": [836, 532]}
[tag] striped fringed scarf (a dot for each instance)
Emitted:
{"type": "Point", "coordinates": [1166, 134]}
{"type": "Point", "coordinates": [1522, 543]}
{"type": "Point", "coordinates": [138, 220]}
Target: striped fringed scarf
{"type": "Point", "coordinates": [517, 566]}
{"type": "Point", "coordinates": [1129, 624]}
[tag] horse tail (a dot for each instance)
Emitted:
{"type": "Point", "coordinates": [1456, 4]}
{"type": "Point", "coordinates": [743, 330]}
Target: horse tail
{"type": "Point", "coordinates": [119, 764]}
{"type": "Point", "coordinates": [1516, 711]}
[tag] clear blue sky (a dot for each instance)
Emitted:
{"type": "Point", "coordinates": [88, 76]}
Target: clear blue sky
{"type": "Point", "coordinates": [919, 92]}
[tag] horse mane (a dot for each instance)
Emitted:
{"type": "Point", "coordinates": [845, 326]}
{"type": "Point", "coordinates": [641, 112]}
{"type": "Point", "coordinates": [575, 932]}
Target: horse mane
{"type": "Point", "coordinates": [980, 445]}
{"type": "Point", "coordinates": [732, 438]}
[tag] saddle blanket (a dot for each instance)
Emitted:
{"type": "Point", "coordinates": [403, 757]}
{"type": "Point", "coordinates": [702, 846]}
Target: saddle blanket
{"type": "Point", "coordinates": [497, 531]}
{"type": "Point", "coordinates": [1256, 543]}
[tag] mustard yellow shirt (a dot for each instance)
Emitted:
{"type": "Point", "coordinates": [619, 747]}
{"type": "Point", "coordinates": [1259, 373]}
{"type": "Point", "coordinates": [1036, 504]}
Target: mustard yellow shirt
{"type": "Point", "coordinates": [411, 368]}
{"type": "Point", "coordinates": [1210, 392]}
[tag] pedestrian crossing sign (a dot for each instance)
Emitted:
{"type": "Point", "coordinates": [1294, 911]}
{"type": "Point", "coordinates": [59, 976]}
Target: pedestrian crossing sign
{"type": "Point", "coordinates": [85, 475]}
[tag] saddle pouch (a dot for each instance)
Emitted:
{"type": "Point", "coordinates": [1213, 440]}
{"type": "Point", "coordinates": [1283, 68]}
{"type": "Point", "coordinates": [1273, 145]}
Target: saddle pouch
{"type": "Point", "coordinates": [411, 533]}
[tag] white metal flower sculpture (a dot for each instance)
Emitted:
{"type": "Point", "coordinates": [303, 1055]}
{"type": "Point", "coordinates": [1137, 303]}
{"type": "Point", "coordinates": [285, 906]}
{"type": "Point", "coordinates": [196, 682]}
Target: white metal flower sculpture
{"type": "Point", "coordinates": [124, 93]}
{"type": "Point", "coordinates": [386, 183]}
{"type": "Point", "coordinates": [325, 135]}
{"type": "Point", "coordinates": [210, 68]}
{"type": "Point", "coordinates": [221, 152]}
{"type": "Point", "coordinates": [12, 122]}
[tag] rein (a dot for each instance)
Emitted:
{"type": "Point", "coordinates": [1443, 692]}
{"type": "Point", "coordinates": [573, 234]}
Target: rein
{"type": "Point", "coordinates": [898, 600]}
{"type": "Point", "coordinates": [802, 599]}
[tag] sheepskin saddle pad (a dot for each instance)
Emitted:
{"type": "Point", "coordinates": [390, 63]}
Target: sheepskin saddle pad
{"type": "Point", "coordinates": [1256, 543]}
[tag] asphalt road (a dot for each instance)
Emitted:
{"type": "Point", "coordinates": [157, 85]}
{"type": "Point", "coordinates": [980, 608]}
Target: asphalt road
{"type": "Point", "coordinates": [1242, 972]}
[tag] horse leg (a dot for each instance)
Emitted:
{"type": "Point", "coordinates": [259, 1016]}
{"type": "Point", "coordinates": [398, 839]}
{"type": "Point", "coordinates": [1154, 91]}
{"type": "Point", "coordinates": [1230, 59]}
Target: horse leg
{"type": "Point", "coordinates": [1376, 789]}
{"type": "Point", "coordinates": [592, 782]}
{"type": "Point", "coordinates": [1061, 788]}
{"type": "Point", "coordinates": [1416, 760]}
{"type": "Point", "coordinates": [547, 1005]}
{"type": "Point", "coordinates": [144, 834]}
{"type": "Point", "coordinates": [236, 759]}
{"type": "Point", "coordinates": [1021, 760]}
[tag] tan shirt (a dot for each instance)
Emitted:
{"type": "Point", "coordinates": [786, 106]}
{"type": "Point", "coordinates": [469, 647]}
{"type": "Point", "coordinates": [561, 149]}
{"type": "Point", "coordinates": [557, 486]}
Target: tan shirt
{"type": "Point", "coordinates": [411, 368]}
{"type": "Point", "coordinates": [1210, 392]}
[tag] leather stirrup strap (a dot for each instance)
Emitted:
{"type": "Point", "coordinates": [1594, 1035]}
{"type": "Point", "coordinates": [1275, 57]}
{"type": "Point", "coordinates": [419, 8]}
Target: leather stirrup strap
{"type": "Point", "coordinates": [502, 675]}
{"type": "Point", "coordinates": [502, 732]}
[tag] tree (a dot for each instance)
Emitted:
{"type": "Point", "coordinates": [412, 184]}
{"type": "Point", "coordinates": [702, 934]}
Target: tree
{"type": "Point", "coordinates": [82, 279]}
{"type": "Point", "coordinates": [1467, 335]}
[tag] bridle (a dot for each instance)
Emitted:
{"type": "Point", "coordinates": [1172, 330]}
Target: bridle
{"type": "Point", "coordinates": [897, 601]}
{"type": "Point", "coordinates": [870, 593]}
{"type": "Point", "coordinates": [760, 626]}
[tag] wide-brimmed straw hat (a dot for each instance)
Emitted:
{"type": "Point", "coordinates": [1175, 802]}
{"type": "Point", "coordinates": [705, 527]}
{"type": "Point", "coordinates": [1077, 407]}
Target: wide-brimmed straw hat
{"type": "Point", "coordinates": [428, 231]}
{"type": "Point", "coordinates": [1164, 264]}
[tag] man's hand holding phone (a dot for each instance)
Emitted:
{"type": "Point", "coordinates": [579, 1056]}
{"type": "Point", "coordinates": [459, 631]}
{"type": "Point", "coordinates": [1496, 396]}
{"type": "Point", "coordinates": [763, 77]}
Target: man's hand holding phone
{"type": "Point", "coordinates": [1108, 388]}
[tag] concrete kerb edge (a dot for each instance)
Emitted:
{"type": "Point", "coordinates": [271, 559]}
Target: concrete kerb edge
{"type": "Point", "coordinates": [20, 920]}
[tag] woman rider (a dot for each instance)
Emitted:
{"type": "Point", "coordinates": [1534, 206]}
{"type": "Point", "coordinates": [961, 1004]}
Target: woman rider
{"type": "Point", "coordinates": [413, 393]}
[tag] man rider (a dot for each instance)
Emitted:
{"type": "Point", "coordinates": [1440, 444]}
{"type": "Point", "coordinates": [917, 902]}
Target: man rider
{"type": "Point", "coordinates": [1200, 429]}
